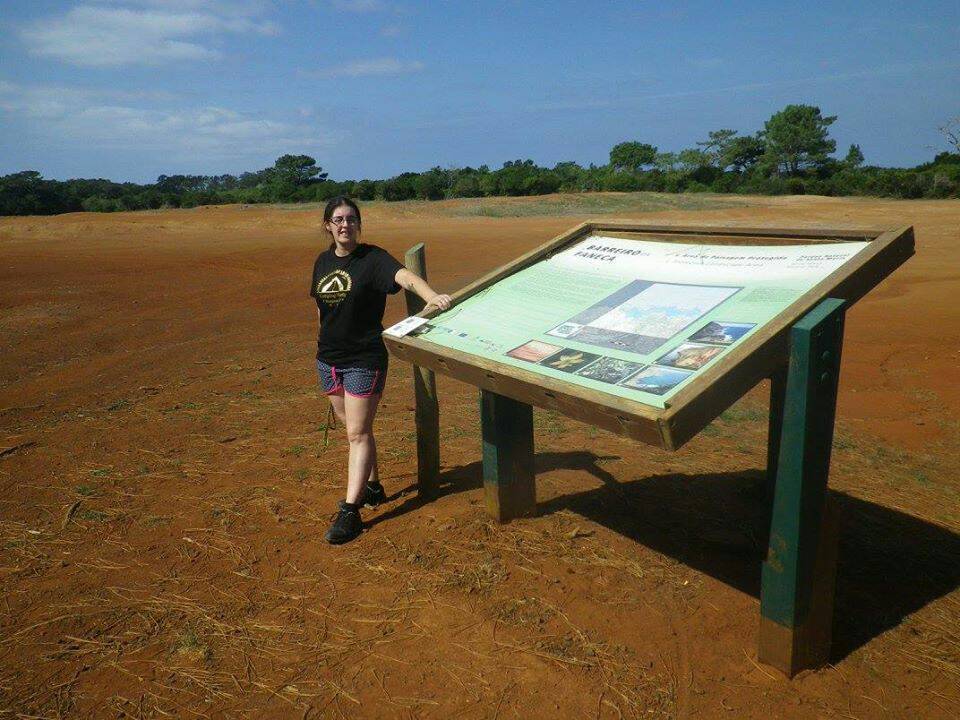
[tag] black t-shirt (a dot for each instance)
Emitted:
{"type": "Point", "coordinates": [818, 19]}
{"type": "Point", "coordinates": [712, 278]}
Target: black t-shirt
{"type": "Point", "coordinates": [351, 292]}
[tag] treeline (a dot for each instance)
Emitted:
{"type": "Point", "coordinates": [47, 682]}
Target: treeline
{"type": "Point", "coordinates": [792, 154]}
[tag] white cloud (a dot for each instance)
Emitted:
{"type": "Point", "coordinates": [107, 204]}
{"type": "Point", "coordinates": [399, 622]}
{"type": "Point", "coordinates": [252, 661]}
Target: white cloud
{"type": "Point", "coordinates": [147, 32]}
{"type": "Point", "coordinates": [113, 121]}
{"type": "Point", "coordinates": [20, 101]}
{"type": "Point", "coordinates": [52, 101]}
{"type": "Point", "coordinates": [371, 66]}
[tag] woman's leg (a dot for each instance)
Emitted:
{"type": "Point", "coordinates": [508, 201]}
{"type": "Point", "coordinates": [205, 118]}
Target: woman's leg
{"type": "Point", "coordinates": [359, 413]}
{"type": "Point", "coordinates": [336, 401]}
{"type": "Point", "coordinates": [339, 410]}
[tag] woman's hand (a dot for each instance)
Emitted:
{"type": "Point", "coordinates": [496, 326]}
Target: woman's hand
{"type": "Point", "coordinates": [409, 281]}
{"type": "Point", "coordinates": [440, 301]}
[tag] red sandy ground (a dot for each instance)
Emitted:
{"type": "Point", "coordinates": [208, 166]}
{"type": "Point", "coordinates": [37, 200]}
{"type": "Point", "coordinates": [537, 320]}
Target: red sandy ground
{"type": "Point", "coordinates": [157, 369]}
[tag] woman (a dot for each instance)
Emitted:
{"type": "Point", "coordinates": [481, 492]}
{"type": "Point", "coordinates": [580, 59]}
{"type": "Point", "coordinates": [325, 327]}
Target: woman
{"type": "Point", "coordinates": [351, 281]}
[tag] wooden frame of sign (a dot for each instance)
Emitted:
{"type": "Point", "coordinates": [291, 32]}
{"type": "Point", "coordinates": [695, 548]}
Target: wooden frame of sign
{"type": "Point", "coordinates": [709, 393]}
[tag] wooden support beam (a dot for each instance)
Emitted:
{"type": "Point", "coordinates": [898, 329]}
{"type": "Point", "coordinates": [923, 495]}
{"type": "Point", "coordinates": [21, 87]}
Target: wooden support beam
{"type": "Point", "coordinates": [508, 481]}
{"type": "Point", "coordinates": [778, 394]}
{"type": "Point", "coordinates": [427, 408]}
{"type": "Point", "coordinates": [797, 588]}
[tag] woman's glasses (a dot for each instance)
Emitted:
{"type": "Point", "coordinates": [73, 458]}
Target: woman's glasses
{"type": "Point", "coordinates": [347, 220]}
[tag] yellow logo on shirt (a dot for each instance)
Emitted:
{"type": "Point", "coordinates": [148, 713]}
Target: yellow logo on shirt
{"type": "Point", "coordinates": [333, 287]}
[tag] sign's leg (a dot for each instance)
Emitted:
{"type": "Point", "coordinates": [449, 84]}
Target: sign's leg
{"type": "Point", "coordinates": [797, 588]}
{"type": "Point", "coordinates": [427, 418]}
{"type": "Point", "coordinates": [427, 408]}
{"type": "Point", "coordinates": [778, 394]}
{"type": "Point", "coordinates": [507, 429]}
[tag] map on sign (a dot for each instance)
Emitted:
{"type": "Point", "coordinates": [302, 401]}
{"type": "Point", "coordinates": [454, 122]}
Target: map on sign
{"type": "Point", "coordinates": [643, 315]}
{"type": "Point", "coordinates": [633, 318]}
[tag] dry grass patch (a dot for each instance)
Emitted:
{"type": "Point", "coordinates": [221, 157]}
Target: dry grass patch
{"type": "Point", "coordinates": [625, 688]}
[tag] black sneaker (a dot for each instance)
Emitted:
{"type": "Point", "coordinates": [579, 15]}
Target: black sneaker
{"type": "Point", "coordinates": [373, 495]}
{"type": "Point", "coordinates": [346, 525]}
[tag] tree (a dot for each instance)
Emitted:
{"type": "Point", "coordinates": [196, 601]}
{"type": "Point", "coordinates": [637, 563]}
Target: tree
{"type": "Point", "coordinates": [665, 161]}
{"type": "Point", "coordinates": [431, 184]}
{"type": "Point", "coordinates": [297, 170]}
{"type": "Point", "coordinates": [290, 177]}
{"type": "Point", "coordinates": [23, 193]}
{"type": "Point", "coordinates": [400, 187]}
{"type": "Point", "coordinates": [797, 138]}
{"type": "Point", "coordinates": [543, 183]}
{"type": "Point", "coordinates": [631, 156]}
{"type": "Point", "coordinates": [944, 158]}
{"type": "Point", "coordinates": [181, 184]}
{"type": "Point", "coordinates": [693, 159]}
{"type": "Point", "coordinates": [248, 179]}
{"type": "Point", "coordinates": [570, 175]}
{"type": "Point", "coordinates": [716, 144]}
{"type": "Point", "coordinates": [854, 158]}
{"type": "Point", "coordinates": [951, 131]}
{"type": "Point", "coordinates": [364, 190]}
{"type": "Point", "coordinates": [467, 185]}
{"type": "Point", "coordinates": [513, 176]}
{"type": "Point", "coordinates": [742, 153]}
{"type": "Point", "coordinates": [489, 183]}
{"type": "Point", "coordinates": [223, 182]}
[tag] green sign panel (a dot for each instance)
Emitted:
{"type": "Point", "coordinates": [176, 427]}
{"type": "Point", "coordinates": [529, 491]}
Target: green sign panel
{"type": "Point", "coordinates": [637, 319]}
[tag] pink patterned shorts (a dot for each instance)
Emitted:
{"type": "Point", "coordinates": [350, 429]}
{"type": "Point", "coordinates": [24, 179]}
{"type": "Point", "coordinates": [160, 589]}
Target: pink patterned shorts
{"type": "Point", "coordinates": [356, 381]}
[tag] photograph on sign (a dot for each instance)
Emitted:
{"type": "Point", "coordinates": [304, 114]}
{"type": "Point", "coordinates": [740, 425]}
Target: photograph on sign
{"type": "Point", "coordinates": [534, 351]}
{"type": "Point", "coordinates": [643, 315]}
{"type": "Point", "coordinates": [691, 356]}
{"type": "Point", "coordinates": [721, 333]}
{"type": "Point", "coordinates": [635, 319]}
{"type": "Point", "coordinates": [657, 380]}
{"type": "Point", "coordinates": [610, 370]}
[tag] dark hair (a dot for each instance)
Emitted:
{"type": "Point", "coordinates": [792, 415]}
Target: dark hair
{"type": "Point", "coordinates": [336, 202]}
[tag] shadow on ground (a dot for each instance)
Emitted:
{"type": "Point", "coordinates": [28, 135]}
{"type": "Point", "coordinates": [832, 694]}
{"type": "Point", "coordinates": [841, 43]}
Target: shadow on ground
{"type": "Point", "coordinates": [891, 564]}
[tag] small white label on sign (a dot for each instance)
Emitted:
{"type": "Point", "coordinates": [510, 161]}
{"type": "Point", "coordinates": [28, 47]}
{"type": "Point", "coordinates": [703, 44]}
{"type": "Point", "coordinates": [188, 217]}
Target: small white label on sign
{"type": "Point", "coordinates": [405, 326]}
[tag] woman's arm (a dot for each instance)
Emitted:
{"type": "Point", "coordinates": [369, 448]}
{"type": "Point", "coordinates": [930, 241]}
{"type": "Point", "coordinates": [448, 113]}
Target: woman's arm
{"type": "Point", "coordinates": [410, 281]}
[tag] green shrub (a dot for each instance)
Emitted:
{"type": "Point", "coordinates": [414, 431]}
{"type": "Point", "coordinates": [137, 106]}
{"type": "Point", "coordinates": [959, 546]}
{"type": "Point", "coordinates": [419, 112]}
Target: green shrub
{"type": "Point", "coordinates": [796, 186]}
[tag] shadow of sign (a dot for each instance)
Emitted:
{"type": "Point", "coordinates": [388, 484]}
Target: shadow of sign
{"type": "Point", "coordinates": [891, 563]}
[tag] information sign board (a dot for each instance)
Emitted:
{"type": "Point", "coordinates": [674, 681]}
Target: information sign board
{"type": "Point", "coordinates": [636, 319]}
{"type": "Point", "coordinates": [650, 332]}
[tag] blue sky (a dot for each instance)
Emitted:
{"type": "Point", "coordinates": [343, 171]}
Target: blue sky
{"type": "Point", "coordinates": [130, 89]}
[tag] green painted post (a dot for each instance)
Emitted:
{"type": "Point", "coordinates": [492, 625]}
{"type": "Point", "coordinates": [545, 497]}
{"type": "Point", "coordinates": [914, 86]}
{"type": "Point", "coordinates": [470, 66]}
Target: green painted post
{"type": "Point", "coordinates": [426, 405]}
{"type": "Point", "coordinates": [797, 588]}
{"type": "Point", "coordinates": [778, 394]}
{"type": "Point", "coordinates": [506, 426]}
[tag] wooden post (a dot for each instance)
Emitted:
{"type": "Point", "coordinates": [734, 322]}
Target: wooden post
{"type": "Point", "coordinates": [507, 429]}
{"type": "Point", "coordinates": [797, 587]}
{"type": "Point", "coordinates": [427, 409]}
{"type": "Point", "coordinates": [778, 394]}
